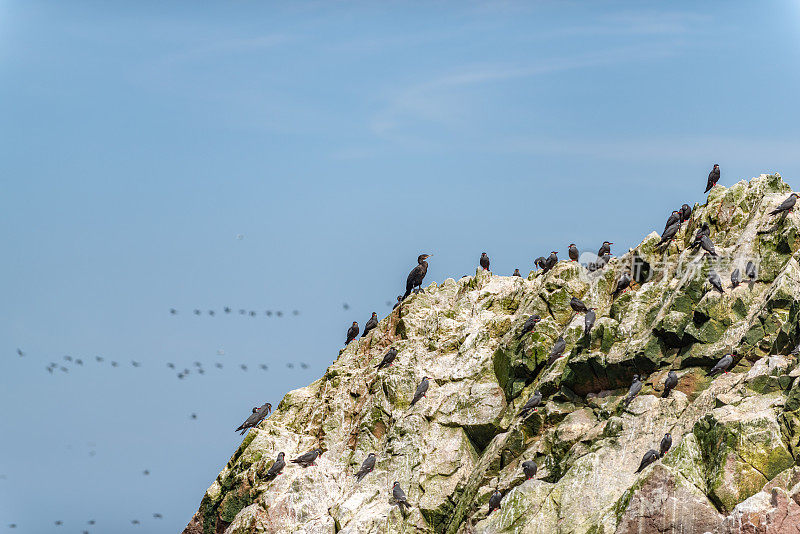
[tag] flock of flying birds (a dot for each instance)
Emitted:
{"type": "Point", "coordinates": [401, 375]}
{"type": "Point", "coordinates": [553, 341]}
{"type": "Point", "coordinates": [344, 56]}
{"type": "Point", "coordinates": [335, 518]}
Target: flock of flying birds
{"type": "Point", "coordinates": [623, 283]}
{"type": "Point", "coordinates": [228, 310]}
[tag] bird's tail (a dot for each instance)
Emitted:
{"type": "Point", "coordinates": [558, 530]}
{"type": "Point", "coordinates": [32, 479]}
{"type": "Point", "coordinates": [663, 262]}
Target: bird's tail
{"type": "Point", "coordinates": [666, 393]}
{"type": "Point", "coordinates": [359, 476]}
{"type": "Point", "coordinates": [639, 470]}
{"type": "Point", "coordinates": [403, 504]}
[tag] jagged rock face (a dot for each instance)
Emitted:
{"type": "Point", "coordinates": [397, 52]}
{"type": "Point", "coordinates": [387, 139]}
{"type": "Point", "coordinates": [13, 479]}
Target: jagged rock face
{"type": "Point", "coordinates": [735, 437]}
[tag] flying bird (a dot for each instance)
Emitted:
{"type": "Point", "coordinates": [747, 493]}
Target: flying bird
{"type": "Point", "coordinates": [308, 459]}
{"type": "Point", "coordinates": [422, 389]}
{"type": "Point", "coordinates": [670, 382]}
{"type": "Point", "coordinates": [722, 365]}
{"type": "Point", "coordinates": [636, 387]}
{"type": "Point", "coordinates": [786, 205]}
{"type": "Point", "coordinates": [557, 350]}
{"type": "Point", "coordinates": [648, 458]}
{"type": "Point", "coordinates": [529, 469]}
{"type": "Point", "coordinates": [713, 178]}
{"type": "Point", "coordinates": [20, 353]}
{"type": "Point", "coordinates": [400, 496]}
{"type": "Point", "coordinates": [494, 501]}
{"type": "Point", "coordinates": [417, 274]}
{"type": "Point", "coordinates": [529, 325]}
{"type": "Point", "coordinates": [366, 467]}
{"type": "Point", "coordinates": [371, 323]}
{"type": "Point", "coordinates": [666, 443]}
{"type": "Point", "coordinates": [577, 305]}
{"type": "Point", "coordinates": [588, 321]}
{"type": "Point", "coordinates": [484, 261]}
{"type": "Point", "coordinates": [388, 358]}
{"type": "Point", "coordinates": [277, 466]}
{"type": "Point", "coordinates": [532, 404]}
{"type": "Point", "coordinates": [255, 417]}
{"type": "Point", "coordinates": [573, 253]}
{"type": "Point", "coordinates": [352, 332]}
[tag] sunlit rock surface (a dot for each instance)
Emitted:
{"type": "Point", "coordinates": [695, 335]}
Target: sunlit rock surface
{"type": "Point", "coordinates": [735, 437]}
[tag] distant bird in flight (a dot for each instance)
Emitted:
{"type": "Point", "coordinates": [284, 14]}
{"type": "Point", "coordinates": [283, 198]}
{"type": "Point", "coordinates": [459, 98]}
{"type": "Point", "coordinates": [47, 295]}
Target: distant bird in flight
{"type": "Point", "coordinates": [346, 306]}
{"type": "Point", "coordinates": [417, 274]}
{"type": "Point", "coordinates": [21, 354]}
{"type": "Point", "coordinates": [352, 332]}
{"type": "Point", "coordinates": [290, 365]}
{"type": "Point", "coordinates": [713, 178]}
{"type": "Point", "coordinates": [193, 416]}
{"type": "Point", "coordinates": [135, 363]}
{"type": "Point", "coordinates": [157, 516]}
{"type": "Point", "coordinates": [79, 362]}
{"type": "Point", "coordinates": [114, 364]}
{"type": "Point", "coordinates": [243, 367]}
{"type": "Point", "coordinates": [227, 309]}
{"type": "Point", "coordinates": [146, 472]}
{"type": "Point", "coordinates": [263, 367]}
{"type": "Point", "coordinates": [304, 365]}
{"type": "Point", "coordinates": [484, 261]}
{"type": "Point", "coordinates": [211, 313]}
{"type": "Point", "coordinates": [197, 312]}
{"type": "Point", "coordinates": [255, 418]}
{"type": "Point", "coordinates": [98, 358]}
{"type": "Point", "coordinates": [218, 365]}
{"type": "Point", "coordinates": [786, 205]}
{"type": "Point", "coordinates": [173, 311]}
{"type": "Point", "coordinates": [370, 324]}
{"type": "Point", "coordinates": [68, 358]}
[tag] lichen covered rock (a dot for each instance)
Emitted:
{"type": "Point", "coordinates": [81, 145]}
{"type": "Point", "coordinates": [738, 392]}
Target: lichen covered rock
{"type": "Point", "coordinates": [735, 437]}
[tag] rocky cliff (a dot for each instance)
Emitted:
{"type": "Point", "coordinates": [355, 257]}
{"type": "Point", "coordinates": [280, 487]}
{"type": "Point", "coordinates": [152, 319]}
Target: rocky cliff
{"type": "Point", "coordinates": [736, 437]}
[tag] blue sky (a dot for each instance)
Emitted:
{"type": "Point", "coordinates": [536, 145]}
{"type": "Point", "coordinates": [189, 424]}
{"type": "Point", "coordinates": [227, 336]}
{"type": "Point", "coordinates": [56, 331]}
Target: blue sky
{"type": "Point", "coordinates": [340, 140]}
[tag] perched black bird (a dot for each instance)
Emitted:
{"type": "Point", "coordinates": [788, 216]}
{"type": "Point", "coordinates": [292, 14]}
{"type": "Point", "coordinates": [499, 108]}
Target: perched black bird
{"type": "Point", "coordinates": [255, 418]}
{"type": "Point", "coordinates": [307, 459]}
{"type": "Point", "coordinates": [557, 350]}
{"type": "Point", "coordinates": [722, 365]}
{"type": "Point", "coordinates": [670, 382]}
{"type": "Point", "coordinates": [352, 332]}
{"type": "Point", "coordinates": [494, 501]}
{"type": "Point", "coordinates": [750, 271]}
{"type": "Point", "coordinates": [551, 261]}
{"type": "Point", "coordinates": [669, 233]}
{"type": "Point", "coordinates": [577, 305]}
{"type": "Point", "coordinates": [422, 389]}
{"type": "Point", "coordinates": [371, 323]}
{"type": "Point", "coordinates": [399, 300]}
{"type": "Point", "coordinates": [417, 274]}
{"type": "Point", "coordinates": [708, 245]}
{"type": "Point", "coordinates": [704, 230]}
{"type": "Point", "coordinates": [532, 404]}
{"type": "Point", "coordinates": [276, 468]}
{"type": "Point", "coordinates": [623, 282]}
{"type": "Point", "coordinates": [675, 217]}
{"type": "Point", "coordinates": [605, 248]}
{"type": "Point", "coordinates": [529, 325]}
{"type": "Point", "coordinates": [713, 178]}
{"type": "Point", "coordinates": [388, 358]}
{"type": "Point", "coordinates": [540, 262]}
{"type": "Point", "coordinates": [648, 458]}
{"type": "Point", "coordinates": [636, 387]}
{"type": "Point", "coordinates": [685, 213]}
{"type": "Point", "coordinates": [736, 278]}
{"type": "Point", "coordinates": [516, 273]}
{"type": "Point", "coordinates": [666, 443]}
{"type": "Point", "coordinates": [529, 469]}
{"type": "Point", "coordinates": [400, 496]}
{"type": "Point", "coordinates": [573, 252]}
{"type": "Point", "coordinates": [715, 281]}
{"type": "Point", "coordinates": [588, 321]}
{"type": "Point", "coordinates": [786, 205]}
{"type": "Point", "coordinates": [484, 261]}
{"type": "Point", "coordinates": [366, 467]}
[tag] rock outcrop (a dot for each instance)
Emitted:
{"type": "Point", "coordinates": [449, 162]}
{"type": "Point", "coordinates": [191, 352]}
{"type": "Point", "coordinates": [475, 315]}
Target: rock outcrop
{"type": "Point", "coordinates": [732, 465]}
